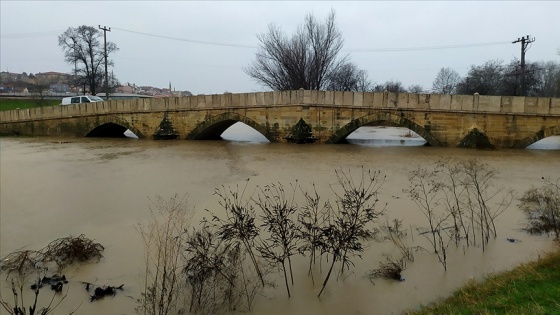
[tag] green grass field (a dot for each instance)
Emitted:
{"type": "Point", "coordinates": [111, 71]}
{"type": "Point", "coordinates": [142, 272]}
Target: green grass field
{"type": "Point", "coordinates": [14, 103]}
{"type": "Point", "coordinates": [532, 288]}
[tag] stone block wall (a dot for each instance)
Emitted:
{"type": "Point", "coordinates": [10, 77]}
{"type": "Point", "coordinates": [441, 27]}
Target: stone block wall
{"type": "Point", "coordinates": [435, 102]}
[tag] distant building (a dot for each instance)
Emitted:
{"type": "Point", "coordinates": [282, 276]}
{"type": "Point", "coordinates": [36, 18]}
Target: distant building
{"type": "Point", "coordinates": [59, 88]}
{"type": "Point", "coordinates": [6, 89]}
{"type": "Point", "coordinates": [52, 76]}
{"type": "Point", "coordinates": [127, 89]}
{"type": "Point", "coordinates": [9, 76]}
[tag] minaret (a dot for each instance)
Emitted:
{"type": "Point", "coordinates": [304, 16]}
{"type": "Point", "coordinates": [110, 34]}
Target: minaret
{"type": "Point", "coordinates": [170, 88]}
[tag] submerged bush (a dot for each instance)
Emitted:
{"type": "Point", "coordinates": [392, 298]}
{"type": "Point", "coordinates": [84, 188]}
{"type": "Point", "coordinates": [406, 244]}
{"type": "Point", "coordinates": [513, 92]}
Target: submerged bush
{"type": "Point", "coordinates": [67, 250]}
{"type": "Point", "coordinates": [63, 251]}
{"type": "Point", "coordinates": [542, 208]}
{"type": "Point", "coordinates": [164, 238]}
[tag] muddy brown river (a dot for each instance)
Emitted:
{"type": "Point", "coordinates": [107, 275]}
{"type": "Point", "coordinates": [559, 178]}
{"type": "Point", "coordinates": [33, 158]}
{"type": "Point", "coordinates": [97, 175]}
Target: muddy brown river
{"type": "Point", "coordinates": [52, 188]}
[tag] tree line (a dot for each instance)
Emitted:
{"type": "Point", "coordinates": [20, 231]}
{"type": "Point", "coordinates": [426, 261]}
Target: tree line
{"type": "Point", "coordinates": [494, 77]}
{"type": "Point", "coordinates": [311, 59]}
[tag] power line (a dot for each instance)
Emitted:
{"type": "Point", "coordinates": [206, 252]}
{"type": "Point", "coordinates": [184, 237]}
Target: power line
{"type": "Point", "coordinates": [32, 34]}
{"type": "Point", "coordinates": [187, 40]}
{"type": "Point", "coordinates": [427, 47]}
{"type": "Point", "coordinates": [365, 50]}
{"type": "Point", "coordinates": [344, 50]}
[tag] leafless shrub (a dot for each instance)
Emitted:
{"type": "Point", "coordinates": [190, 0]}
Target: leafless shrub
{"type": "Point", "coordinates": [216, 273]}
{"type": "Point", "coordinates": [541, 206]}
{"type": "Point", "coordinates": [207, 263]}
{"type": "Point", "coordinates": [63, 251]}
{"type": "Point", "coordinates": [19, 306]}
{"type": "Point", "coordinates": [451, 179]}
{"type": "Point", "coordinates": [460, 201]}
{"type": "Point", "coordinates": [394, 232]}
{"type": "Point", "coordinates": [424, 190]}
{"type": "Point", "coordinates": [312, 218]}
{"type": "Point", "coordinates": [278, 210]}
{"type": "Point", "coordinates": [481, 193]}
{"type": "Point", "coordinates": [239, 223]}
{"type": "Point", "coordinates": [391, 268]}
{"type": "Point", "coordinates": [356, 203]}
{"type": "Point", "coordinates": [164, 238]}
{"type": "Point", "coordinates": [20, 261]}
{"type": "Point", "coordinates": [67, 250]}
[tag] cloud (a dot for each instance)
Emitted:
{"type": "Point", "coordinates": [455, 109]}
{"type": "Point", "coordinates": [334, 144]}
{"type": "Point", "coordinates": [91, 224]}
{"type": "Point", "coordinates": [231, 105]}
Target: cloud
{"type": "Point", "coordinates": [206, 68]}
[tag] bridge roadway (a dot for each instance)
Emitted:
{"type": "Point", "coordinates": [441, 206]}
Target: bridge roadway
{"type": "Point", "coordinates": [442, 120]}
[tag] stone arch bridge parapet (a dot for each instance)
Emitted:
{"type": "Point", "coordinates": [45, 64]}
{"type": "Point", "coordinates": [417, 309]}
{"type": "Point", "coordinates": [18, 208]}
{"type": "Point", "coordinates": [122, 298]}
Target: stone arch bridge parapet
{"type": "Point", "coordinates": [442, 120]}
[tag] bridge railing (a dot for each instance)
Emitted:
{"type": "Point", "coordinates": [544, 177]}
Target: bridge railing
{"type": "Point", "coordinates": [405, 101]}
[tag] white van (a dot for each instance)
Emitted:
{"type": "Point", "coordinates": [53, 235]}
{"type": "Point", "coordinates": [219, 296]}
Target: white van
{"type": "Point", "coordinates": [81, 99]}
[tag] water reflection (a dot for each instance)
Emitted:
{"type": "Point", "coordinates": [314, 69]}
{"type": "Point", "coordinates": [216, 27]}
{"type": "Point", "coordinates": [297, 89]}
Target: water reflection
{"type": "Point", "coordinates": [366, 136]}
{"type": "Point", "coordinates": [129, 134]}
{"type": "Point", "coordinates": [549, 143]}
{"type": "Point", "coordinates": [375, 136]}
{"type": "Point", "coordinates": [240, 132]}
{"type": "Point", "coordinates": [382, 136]}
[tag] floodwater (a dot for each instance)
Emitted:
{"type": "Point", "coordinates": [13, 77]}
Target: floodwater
{"type": "Point", "coordinates": [52, 188]}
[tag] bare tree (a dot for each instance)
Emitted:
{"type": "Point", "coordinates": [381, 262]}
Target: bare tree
{"type": "Point", "coordinates": [306, 60]}
{"type": "Point", "coordinates": [415, 88]}
{"type": "Point", "coordinates": [349, 78]}
{"type": "Point", "coordinates": [446, 81]}
{"type": "Point", "coordinates": [83, 49]}
{"type": "Point", "coordinates": [485, 80]}
{"type": "Point", "coordinates": [390, 86]}
{"type": "Point", "coordinates": [39, 91]}
{"type": "Point", "coordinates": [549, 79]}
{"type": "Point", "coordinates": [512, 78]}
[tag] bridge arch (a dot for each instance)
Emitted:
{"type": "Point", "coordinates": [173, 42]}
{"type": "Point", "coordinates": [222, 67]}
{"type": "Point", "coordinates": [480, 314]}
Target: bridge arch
{"type": "Point", "coordinates": [213, 127]}
{"type": "Point", "coordinates": [111, 126]}
{"type": "Point", "coordinates": [341, 134]}
{"type": "Point", "coordinates": [537, 136]}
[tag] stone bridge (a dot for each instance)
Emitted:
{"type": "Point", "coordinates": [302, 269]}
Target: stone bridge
{"type": "Point", "coordinates": [442, 120]}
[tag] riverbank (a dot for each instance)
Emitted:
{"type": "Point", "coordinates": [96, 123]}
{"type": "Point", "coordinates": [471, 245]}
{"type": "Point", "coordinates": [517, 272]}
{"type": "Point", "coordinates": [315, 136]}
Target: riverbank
{"type": "Point", "coordinates": [25, 103]}
{"type": "Point", "coordinates": [531, 288]}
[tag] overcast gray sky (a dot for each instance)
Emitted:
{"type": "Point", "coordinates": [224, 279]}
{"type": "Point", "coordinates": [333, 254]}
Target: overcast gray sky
{"type": "Point", "coordinates": [372, 30]}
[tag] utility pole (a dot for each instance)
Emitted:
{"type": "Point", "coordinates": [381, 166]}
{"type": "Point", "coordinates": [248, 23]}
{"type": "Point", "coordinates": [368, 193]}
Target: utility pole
{"type": "Point", "coordinates": [75, 79]}
{"type": "Point", "coordinates": [105, 29]}
{"type": "Point", "coordinates": [524, 42]}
